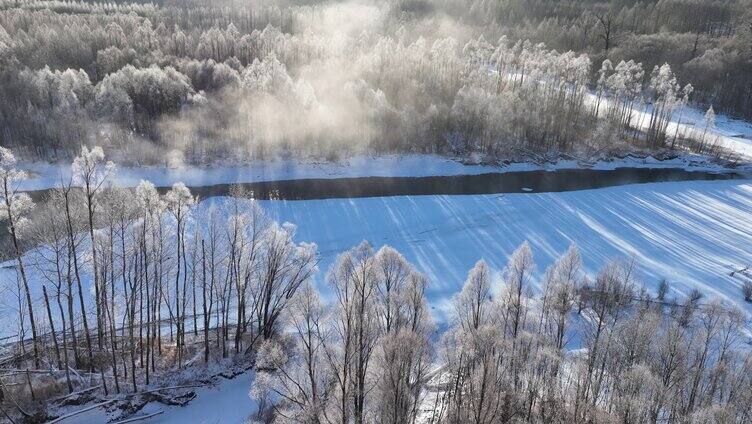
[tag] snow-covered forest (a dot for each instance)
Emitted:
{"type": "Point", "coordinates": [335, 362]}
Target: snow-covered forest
{"type": "Point", "coordinates": [376, 211]}
{"type": "Point", "coordinates": [199, 81]}
{"type": "Point", "coordinates": [140, 288]}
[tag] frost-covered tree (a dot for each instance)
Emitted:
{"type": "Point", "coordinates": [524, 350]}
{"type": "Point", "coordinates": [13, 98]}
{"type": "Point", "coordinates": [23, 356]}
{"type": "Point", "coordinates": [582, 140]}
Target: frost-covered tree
{"type": "Point", "coordinates": [14, 208]}
{"type": "Point", "coordinates": [709, 121]}
{"type": "Point", "coordinates": [90, 171]}
{"type": "Point", "coordinates": [150, 247]}
{"type": "Point", "coordinates": [665, 91]}
{"type": "Point", "coordinates": [562, 281]}
{"type": "Point", "coordinates": [472, 304]}
{"type": "Point", "coordinates": [178, 201]}
{"type": "Point", "coordinates": [393, 274]}
{"type": "Point", "coordinates": [624, 87]}
{"type": "Point", "coordinates": [300, 378]}
{"type": "Point", "coordinates": [54, 266]}
{"type": "Point", "coordinates": [686, 93]}
{"type": "Point", "coordinates": [403, 355]}
{"type": "Point", "coordinates": [355, 331]}
{"type": "Point", "coordinates": [270, 79]}
{"type": "Point", "coordinates": [517, 275]}
{"type": "Point", "coordinates": [283, 267]}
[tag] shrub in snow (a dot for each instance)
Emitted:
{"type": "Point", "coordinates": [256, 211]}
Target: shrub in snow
{"type": "Point", "coordinates": [747, 290]}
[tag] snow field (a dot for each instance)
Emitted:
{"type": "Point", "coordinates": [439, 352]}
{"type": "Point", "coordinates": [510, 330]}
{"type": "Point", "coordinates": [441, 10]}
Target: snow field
{"type": "Point", "coordinates": [691, 233]}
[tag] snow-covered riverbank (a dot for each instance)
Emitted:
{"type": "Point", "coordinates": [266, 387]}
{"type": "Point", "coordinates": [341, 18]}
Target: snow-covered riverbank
{"type": "Point", "coordinates": [691, 233]}
{"type": "Point", "coordinates": [731, 134]}
{"type": "Point", "coordinates": [225, 402]}
{"type": "Point", "coordinates": [45, 175]}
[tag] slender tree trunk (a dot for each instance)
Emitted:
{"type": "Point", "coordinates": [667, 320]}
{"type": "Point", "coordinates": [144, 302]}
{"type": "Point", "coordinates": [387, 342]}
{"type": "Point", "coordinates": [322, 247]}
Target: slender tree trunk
{"type": "Point", "coordinates": [22, 271]}
{"type": "Point", "coordinates": [132, 323]}
{"type": "Point", "coordinates": [95, 266]}
{"type": "Point", "coordinates": [65, 341]}
{"type": "Point", "coordinates": [69, 281]}
{"type": "Point", "coordinates": [111, 311]}
{"type": "Point", "coordinates": [72, 239]}
{"type": "Point", "coordinates": [52, 327]}
{"type": "Point", "coordinates": [205, 312]}
{"type": "Point", "coordinates": [149, 318]}
{"type": "Point", "coordinates": [177, 296]}
{"type": "Point", "coordinates": [184, 302]}
{"type": "Point", "coordinates": [113, 346]}
{"type": "Point", "coordinates": [193, 288]}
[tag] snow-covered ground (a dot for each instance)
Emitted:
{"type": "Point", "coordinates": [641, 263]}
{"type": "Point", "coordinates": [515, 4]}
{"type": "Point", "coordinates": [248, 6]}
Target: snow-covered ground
{"type": "Point", "coordinates": [732, 134]}
{"type": "Point", "coordinates": [225, 402]}
{"type": "Point", "coordinates": [692, 233]}
{"type": "Point", "coordinates": [46, 175]}
{"type": "Point", "coordinates": [724, 125]}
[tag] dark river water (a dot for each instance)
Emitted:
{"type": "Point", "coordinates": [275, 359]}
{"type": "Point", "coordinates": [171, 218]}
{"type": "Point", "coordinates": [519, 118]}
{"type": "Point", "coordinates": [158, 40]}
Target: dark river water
{"type": "Point", "coordinates": [512, 182]}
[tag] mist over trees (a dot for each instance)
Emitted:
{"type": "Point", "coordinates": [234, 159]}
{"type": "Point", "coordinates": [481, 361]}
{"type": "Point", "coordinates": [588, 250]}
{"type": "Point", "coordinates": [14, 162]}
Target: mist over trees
{"type": "Point", "coordinates": [123, 289]}
{"type": "Point", "coordinates": [707, 43]}
{"type": "Point", "coordinates": [114, 293]}
{"type": "Point", "coordinates": [205, 81]}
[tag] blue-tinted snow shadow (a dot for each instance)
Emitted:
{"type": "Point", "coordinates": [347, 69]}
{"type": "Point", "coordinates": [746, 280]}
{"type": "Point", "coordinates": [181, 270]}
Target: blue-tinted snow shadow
{"type": "Point", "coordinates": [692, 233]}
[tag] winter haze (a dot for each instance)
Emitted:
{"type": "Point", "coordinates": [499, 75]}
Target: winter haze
{"type": "Point", "coordinates": [376, 211]}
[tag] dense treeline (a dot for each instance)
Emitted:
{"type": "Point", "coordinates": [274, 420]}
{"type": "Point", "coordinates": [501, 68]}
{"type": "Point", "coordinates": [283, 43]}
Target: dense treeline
{"type": "Point", "coordinates": [128, 288]}
{"type": "Point", "coordinates": [209, 81]}
{"type": "Point", "coordinates": [708, 43]}
{"type": "Point", "coordinates": [122, 280]}
{"type": "Point", "coordinates": [577, 350]}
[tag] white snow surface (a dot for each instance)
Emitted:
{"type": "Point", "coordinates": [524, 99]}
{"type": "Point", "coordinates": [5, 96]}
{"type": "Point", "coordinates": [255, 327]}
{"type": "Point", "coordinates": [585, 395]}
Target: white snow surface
{"type": "Point", "coordinates": [46, 175]}
{"type": "Point", "coordinates": [724, 124]}
{"type": "Point", "coordinates": [733, 134]}
{"type": "Point", "coordinates": [227, 402]}
{"type": "Point", "coordinates": [730, 133]}
{"type": "Point", "coordinates": [691, 233]}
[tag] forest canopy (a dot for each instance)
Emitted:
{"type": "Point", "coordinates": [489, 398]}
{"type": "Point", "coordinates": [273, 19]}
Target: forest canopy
{"type": "Point", "coordinates": [141, 290]}
{"type": "Point", "coordinates": [209, 80]}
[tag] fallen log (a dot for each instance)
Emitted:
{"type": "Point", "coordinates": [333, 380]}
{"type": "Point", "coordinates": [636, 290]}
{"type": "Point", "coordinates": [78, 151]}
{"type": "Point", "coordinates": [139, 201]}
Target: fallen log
{"type": "Point", "coordinates": [142, 417]}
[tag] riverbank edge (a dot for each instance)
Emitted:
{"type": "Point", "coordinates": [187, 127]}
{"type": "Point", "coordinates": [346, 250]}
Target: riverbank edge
{"type": "Point", "coordinates": [47, 175]}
